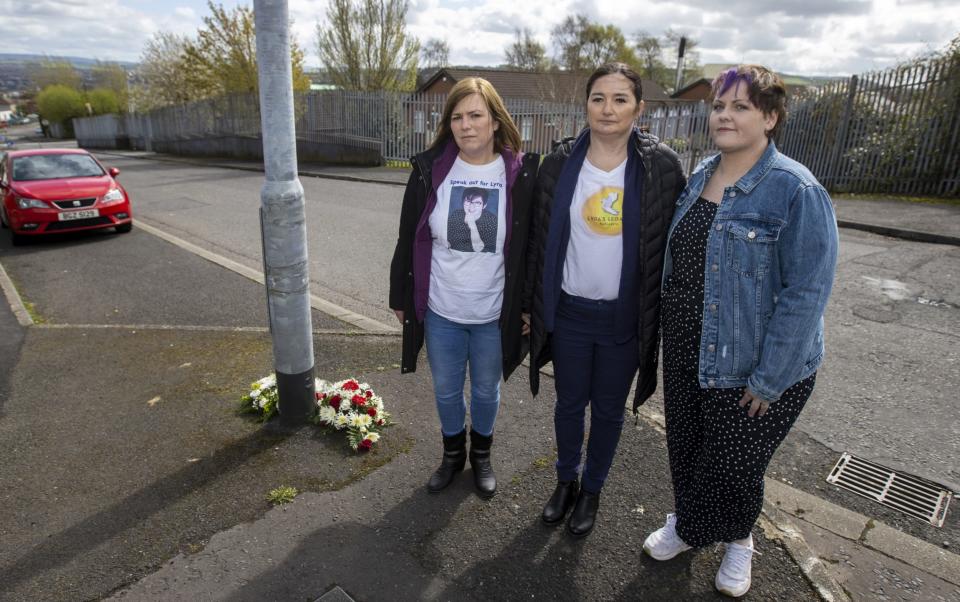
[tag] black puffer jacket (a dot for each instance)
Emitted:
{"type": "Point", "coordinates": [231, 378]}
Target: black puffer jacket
{"type": "Point", "coordinates": [663, 183]}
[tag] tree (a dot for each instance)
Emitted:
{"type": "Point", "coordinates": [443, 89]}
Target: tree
{"type": "Point", "coordinates": [59, 103]}
{"type": "Point", "coordinates": [223, 58]}
{"type": "Point", "coordinates": [49, 72]}
{"type": "Point", "coordinates": [650, 58]}
{"type": "Point", "coordinates": [162, 77]}
{"type": "Point", "coordinates": [103, 101]}
{"type": "Point", "coordinates": [365, 45]}
{"type": "Point", "coordinates": [583, 45]}
{"type": "Point", "coordinates": [526, 53]}
{"type": "Point", "coordinates": [435, 54]}
{"type": "Point", "coordinates": [113, 77]}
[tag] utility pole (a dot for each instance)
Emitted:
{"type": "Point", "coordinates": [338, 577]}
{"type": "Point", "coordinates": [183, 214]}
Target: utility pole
{"type": "Point", "coordinates": [683, 46]}
{"type": "Point", "coordinates": [282, 218]}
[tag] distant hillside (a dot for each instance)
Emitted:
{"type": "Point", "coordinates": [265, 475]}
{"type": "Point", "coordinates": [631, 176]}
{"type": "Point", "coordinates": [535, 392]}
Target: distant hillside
{"type": "Point", "coordinates": [76, 61]}
{"type": "Point", "coordinates": [711, 70]}
{"type": "Point", "coordinates": [13, 68]}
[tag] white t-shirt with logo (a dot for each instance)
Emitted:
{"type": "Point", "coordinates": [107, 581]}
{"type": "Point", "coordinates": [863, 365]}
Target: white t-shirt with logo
{"type": "Point", "coordinates": [468, 227]}
{"type": "Point", "coordinates": [595, 251]}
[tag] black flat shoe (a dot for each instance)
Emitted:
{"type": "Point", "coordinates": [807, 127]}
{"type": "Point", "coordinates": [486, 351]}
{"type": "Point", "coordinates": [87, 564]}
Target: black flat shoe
{"type": "Point", "coordinates": [584, 514]}
{"type": "Point", "coordinates": [563, 498]}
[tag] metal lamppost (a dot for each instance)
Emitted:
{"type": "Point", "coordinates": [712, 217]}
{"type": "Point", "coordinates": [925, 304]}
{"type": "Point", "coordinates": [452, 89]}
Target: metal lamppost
{"type": "Point", "coordinates": [282, 218]}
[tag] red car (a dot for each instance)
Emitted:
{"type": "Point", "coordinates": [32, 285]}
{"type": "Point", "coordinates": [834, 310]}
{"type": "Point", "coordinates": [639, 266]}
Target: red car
{"type": "Point", "coordinates": [59, 190]}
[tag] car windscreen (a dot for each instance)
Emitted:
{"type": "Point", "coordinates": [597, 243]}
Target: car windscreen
{"type": "Point", "coordinates": [51, 167]}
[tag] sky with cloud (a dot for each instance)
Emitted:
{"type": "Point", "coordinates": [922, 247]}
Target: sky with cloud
{"type": "Point", "coordinates": [810, 37]}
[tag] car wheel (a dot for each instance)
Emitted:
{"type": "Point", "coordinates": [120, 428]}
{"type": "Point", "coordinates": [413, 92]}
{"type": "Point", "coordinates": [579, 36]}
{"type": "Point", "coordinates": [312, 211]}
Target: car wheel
{"type": "Point", "coordinates": [3, 219]}
{"type": "Point", "coordinates": [124, 228]}
{"type": "Point", "coordinates": [18, 239]}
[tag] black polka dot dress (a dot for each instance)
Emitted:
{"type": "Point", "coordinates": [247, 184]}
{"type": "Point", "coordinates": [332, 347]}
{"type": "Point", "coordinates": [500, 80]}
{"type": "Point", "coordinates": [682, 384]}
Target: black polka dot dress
{"type": "Point", "coordinates": [718, 454]}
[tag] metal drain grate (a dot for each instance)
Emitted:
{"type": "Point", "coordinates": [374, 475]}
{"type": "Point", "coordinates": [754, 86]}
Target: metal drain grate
{"type": "Point", "coordinates": [917, 497]}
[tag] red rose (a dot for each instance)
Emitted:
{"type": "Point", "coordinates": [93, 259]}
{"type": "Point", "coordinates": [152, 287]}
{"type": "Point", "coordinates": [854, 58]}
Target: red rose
{"type": "Point", "coordinates": [369, 394]}
{"type": "Point", "coordinates": [365, 445]}
{"type": "Point", "coordinates": [358, 400]}
{"type": "Point", "coordinates": [350, 385]}
{"type": "Point", "coordinates": [320, 396]}
{"type": "Point", "coordinates": [335, 401]}
{"type": "Point", "coordinates": [372, 412]}
{"type": "Point", "coordinates": [380, 422]}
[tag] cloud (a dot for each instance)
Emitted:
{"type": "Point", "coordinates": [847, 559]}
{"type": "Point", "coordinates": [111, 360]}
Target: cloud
{"type": "Point", "coordinates": [806, 8]}
{"type": "Point", "coordinates": [799, 36]}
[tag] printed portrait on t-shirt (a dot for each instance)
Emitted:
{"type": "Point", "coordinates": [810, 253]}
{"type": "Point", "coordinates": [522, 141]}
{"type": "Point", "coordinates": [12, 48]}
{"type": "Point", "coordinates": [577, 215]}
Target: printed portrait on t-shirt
{"type": "Point", "coordinates": [472, 222]}
{"type": "Point", "coordinates": [603, 211]}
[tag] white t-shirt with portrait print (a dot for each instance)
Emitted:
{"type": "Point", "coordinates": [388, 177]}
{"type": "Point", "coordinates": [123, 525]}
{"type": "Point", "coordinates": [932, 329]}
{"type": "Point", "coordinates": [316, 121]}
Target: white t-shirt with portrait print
{"type": "Point", "coordinates": [595, 251]}
{"type": "Point", "coordinates": [468, 228]}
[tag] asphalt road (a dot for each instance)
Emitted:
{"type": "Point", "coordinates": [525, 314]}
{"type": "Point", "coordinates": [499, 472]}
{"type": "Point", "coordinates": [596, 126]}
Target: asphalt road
{"type": "Point", "coordinates": [351, 227]}
{"type": "Point", "coordinates": [887, 388]}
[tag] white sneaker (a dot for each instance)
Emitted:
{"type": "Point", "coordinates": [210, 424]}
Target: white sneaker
{"type": "Point", "coordinates": [733, 578]}
{"type": "Point", "coordinates": [664, 543]}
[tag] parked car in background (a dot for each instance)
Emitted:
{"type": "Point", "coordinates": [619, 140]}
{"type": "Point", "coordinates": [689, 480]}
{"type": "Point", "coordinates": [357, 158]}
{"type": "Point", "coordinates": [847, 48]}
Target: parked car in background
{"type": "Point", "coordinates": [50, 191]}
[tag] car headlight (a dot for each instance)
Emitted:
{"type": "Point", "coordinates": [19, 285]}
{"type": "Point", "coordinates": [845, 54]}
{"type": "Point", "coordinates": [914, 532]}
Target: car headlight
{"type": "Point", "coordinates": [114, 196]}
{"type": "Point", "coordinates": [26, 203]}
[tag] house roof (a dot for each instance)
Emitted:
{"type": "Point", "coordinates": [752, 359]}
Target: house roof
{"type": "Point", "coordinates": [691, 85]}
{"type": "Point", "coordinates": [554, 85]}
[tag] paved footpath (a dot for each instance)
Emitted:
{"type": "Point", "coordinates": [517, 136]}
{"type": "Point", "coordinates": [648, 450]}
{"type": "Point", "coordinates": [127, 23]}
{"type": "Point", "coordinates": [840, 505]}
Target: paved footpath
{"type": "Point", "coordinates": [133, 477]}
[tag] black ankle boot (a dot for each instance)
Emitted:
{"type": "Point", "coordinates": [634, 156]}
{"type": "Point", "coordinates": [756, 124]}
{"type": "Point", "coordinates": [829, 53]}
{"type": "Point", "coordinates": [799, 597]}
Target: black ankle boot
{"type": "Point", "coordinates": [584, 514]}
{"type": "Point", "coordinates": [483, 477]}
{"type": "Point", "coordinates": [454, 457]}
{"type": "Point", "coordinates": [563, 498]}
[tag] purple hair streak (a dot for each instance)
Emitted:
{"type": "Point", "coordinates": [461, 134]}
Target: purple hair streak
{"type": "Point", "coordinates": [728, 79]}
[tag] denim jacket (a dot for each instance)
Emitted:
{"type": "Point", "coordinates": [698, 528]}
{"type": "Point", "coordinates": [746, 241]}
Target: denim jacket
{"type": "Point", "coordinates": [771, 257]}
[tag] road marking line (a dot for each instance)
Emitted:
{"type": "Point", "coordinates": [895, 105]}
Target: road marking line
{"type": "Point", "coordinates": [327, 307]}
{"type": "Point", "coordinates": [199, 328]}
{"type": "Point", "coordinates": [14, 299]}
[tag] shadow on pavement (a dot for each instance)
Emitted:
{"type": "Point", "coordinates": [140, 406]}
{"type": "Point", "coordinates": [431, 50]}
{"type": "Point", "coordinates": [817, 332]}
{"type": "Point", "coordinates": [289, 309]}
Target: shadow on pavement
{"type": "Point", "coordinates": [80, 538]}
{"type": "Point", "coordinates": [390, 559]}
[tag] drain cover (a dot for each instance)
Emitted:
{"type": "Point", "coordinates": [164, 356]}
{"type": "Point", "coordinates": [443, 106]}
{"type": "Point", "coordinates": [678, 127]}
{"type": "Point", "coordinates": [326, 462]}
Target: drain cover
{"type": "Point", "coordinates": [917, 497]}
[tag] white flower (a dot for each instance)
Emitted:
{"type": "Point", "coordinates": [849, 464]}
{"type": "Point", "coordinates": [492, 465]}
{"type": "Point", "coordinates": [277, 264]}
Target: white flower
{"type": "Point", "coordinates": [372, 437]}
{"type": "Point", "coordinates": [328, 415]}
{"type": "Point", "coordinates": [255, 393]}
{"type": "Point", "coordinates": [365, 420]}
{"type": "Point", "coordinates": [341, 421]}
{"type": "Point", "coordinates": [357, 419]}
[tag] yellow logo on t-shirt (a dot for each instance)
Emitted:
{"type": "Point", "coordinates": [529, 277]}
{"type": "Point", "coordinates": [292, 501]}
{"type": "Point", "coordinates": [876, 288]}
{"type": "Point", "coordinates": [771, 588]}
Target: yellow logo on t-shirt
{"type": "Point", "coordinates": [603, 211]}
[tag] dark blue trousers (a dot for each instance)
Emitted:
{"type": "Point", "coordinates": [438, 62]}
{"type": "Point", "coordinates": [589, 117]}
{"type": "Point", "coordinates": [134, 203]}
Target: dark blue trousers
{"type": "Point", "coordinates": [589, 368]}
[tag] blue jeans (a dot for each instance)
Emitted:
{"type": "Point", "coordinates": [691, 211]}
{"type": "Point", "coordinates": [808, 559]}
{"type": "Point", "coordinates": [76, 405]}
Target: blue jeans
{"type": "Point", "coordinates": [450, 347]}
{"type": "Point", "coordinates": [589, 368]}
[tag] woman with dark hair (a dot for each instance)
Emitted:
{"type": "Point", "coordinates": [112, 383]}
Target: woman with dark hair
{"type": "Point", "coordinates": [473, 228]}
{"type": "Point", "coordinates": [750, 264]}
{"type": "Point", "coordinates": [603, 202]}
{"type": "Point", "coordinates": [458, 269]}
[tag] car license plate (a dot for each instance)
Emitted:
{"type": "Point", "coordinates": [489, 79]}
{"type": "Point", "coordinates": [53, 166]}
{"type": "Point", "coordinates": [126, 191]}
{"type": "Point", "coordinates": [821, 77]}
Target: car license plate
{"type": "Point", "coordinates": [82, 214]}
